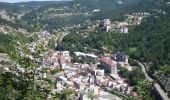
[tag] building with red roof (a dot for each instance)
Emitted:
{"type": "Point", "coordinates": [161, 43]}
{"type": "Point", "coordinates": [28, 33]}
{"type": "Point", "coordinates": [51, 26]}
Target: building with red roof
{"type": "Point", "coordinates": [108, 65]}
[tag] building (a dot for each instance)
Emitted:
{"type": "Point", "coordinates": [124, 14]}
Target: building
{"type": "Point", "coordinates": [118, 25]}
{"type": "Point", "coordinates": [90, 56]}
{"type": "Point", "coordinates": [98, 72]}
{"type": "Point", "coordinates": [121, 57]}
{"type": "Point", "coordinates": [66, 55]}
{"type": "Point", "coordinates": [124, 29]}
{"type": "Point", "coordinates": [79, 84]}
{"type": "Point", "coordinates": [63, 58]}
{"type": "Point", "coordinates": [107, 24]}
{"type": "Point", "coordinates": [108, 65]}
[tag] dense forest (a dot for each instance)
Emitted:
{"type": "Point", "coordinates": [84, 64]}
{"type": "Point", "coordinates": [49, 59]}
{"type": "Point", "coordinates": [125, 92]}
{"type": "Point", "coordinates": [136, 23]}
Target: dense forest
{"type": "Point", "coordinates": [150, 42]}
{"type": "Point", "coordinates": [77, 11]}
{"type": "Point", "coordinates": [5, 40]}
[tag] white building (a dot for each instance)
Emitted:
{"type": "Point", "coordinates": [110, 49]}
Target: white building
{"type": "Point", "coordinates": [98, 72]}
{"type": "Point", "coordinates": [107, 24]}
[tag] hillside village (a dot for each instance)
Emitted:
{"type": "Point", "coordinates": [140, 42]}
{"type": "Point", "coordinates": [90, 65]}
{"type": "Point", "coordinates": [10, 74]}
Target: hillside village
{"type": "Point", "coordinates": [122, 27]}
{"type": "Point", "coordinates": [98, 78]}
{"type": "Point", "coordinates": [107, 25]}
{"type": "Point", "coordinates": [84, 72]}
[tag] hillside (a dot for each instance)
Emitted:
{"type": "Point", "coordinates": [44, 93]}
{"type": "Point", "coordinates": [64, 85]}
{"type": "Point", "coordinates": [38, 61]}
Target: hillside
{"type": "Point", "coordinates": [150, 42]}
{"type": "Point", "coordinates": [11, 13]}
{"type": "Point", "coordinates": [147, 42]}
{"type": "Point", "coordinates": [74, 12]}
{"type": "Point", "coordinates": [25, 6]}
{"type": "Point", "coordinates": [57, 14]}
{"type": "Point", "coordinates": [95, 40]}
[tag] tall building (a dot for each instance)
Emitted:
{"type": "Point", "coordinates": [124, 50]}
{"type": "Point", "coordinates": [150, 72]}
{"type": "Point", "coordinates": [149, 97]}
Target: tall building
{"type": "Point", "coordinates": [121, 57]}
{"type": "Point", "coordinates": [108, 65]}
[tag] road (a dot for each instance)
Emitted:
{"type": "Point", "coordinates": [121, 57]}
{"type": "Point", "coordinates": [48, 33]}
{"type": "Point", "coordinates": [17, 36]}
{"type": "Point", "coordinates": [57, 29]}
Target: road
{"type": "Point", "coordinates": [144, 71]}
{"type": "Point", "coordinates": [161, 92]}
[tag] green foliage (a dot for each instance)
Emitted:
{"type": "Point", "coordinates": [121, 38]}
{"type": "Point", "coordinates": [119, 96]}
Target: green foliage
{"type": "Point", "coordinates": [90, 95]}
{"type": "Point", "coordinates": [142, 86]}
{"type": "Point", "coordinates": [7, 44]}
{"type": "Point", "coordinates": [145, 89]}
{"type": "Point", "coordinates": [8, 92]}
{"type": "Point", "coordinates": [25, 6]}
{"type": "Point", "coordinates": [66, 94]}
{"type": "Point", "coordinates": [5, 40]}
{"type": "Point", "coordinates": [100, 41]}
{"type": "Point", "coordinates": [150, 41]}
{"type": "Point", "coordinates": [133, 63]}
{"type": "Point", "coordinates": [18, 85]}
{"type": "Point", "coordinates": [123, 72]}
{"type": "Point", "coordinates": [135, 76]}
{"type": "Point", "coordinates": [83, 60]}
{"type": "Point", "coordinates": [80, 10]}
{"type": "Point", "coordinates": [163, 75]}
{"type": "Point", "coordinates": [56, 70]}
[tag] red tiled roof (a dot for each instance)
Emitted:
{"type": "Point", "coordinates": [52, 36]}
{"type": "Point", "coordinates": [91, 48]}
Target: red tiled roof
{"type": "Point", "coordinates": [107, 61]}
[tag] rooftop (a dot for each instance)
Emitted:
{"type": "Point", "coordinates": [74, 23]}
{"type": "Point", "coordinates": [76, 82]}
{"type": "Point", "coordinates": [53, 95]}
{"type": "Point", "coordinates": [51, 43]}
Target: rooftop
{"type": "Point", "coordinates": [108, 61]}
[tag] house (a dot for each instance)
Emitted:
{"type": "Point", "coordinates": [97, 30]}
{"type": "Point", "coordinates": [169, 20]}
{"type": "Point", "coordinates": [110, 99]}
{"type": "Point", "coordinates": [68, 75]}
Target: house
{"type": "Point", "coordinates": [108, 65]}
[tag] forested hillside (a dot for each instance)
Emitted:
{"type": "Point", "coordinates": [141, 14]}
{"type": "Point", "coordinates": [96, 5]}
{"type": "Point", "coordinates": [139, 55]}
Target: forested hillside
{"type": "Point", "coordinates": [57, 14]}
{"type": "Point", "coordinates": [150, 42]}
{"type": "Point", "coordinates": [75, 12]}
{"type": "Point", "coordinates": [99, 39]}
{"type": "Point", "coordinates": [5, 41]}
{"type": "Point", "coordinates": [11, 13]}
{"type": "Point", "coordinates": [25, 6]}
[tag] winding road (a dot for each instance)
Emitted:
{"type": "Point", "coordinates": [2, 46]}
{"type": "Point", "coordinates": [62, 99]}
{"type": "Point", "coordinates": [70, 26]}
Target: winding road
{"type": "Point", "coordinates": [161, 92]}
